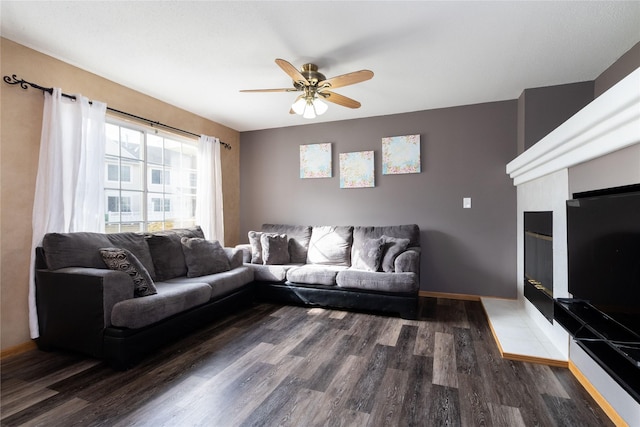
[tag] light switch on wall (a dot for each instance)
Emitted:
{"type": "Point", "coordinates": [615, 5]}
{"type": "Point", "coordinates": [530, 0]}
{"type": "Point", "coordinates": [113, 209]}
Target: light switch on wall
{"type": "Point", "coordinates": [466, 202]}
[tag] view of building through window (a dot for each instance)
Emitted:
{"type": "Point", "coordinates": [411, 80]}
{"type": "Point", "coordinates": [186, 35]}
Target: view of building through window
{"type": "Point", "coordinates": [150, 179]}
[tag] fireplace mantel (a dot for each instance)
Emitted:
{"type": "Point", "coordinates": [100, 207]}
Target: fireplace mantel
{"type": "Point", "coordinates": [609, 123]}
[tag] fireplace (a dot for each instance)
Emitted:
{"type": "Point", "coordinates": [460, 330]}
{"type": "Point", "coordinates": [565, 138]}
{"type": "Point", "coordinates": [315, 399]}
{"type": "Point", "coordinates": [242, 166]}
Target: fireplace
{"type": "Point", "coordinates": [538, 261]}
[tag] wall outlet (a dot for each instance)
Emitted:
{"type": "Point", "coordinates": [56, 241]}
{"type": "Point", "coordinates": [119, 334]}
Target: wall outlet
{"type": "Point", "coordinates": [466, 202]}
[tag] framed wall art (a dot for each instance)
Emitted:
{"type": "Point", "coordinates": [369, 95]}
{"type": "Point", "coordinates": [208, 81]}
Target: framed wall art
{"type": "Point", "coordinates": [315, 160]}
{"type": "Point", "coordinates": [357, 170]}
{"type": "Point", "coordinates": [401, 154]}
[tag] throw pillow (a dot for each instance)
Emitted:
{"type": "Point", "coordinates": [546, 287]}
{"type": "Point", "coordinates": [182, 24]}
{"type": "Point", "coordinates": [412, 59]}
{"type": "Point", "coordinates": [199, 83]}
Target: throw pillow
{"type": "Point", "coordinates": [166, 251]}
{"type": "Point", "coordinates": [370, 255]}
{"type": "Point", "coordinates": [123, 260]}
{"type": "Point", "coordinates": [275, 249]}
{"type": "Point", "coordinates": [298, 236]}
{"type": "Point", "coordinates": [330, 245]}
{"type": "Point", "coordinates": [204, 257]}
{"type": "Point", "coordinates": [393, 247]}
{"type": "Point", "coordinates": [256, 247]}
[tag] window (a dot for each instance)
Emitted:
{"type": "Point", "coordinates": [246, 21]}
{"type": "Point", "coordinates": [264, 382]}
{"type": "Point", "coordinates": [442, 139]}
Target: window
{"type": "Point", "coordinates": [161, 205]}
{"type": "Point", "coordinates": [158, 176]}
{"type": "Point", "coordinates": [118, 204]}
{"type": "Point", "coordinates": [118, 174]}
{"type": "Point", "coordinates": [150, 181]}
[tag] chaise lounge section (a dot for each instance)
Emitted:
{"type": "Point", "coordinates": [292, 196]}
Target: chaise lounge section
{"type": "Point", "coordinates": [120, 296]}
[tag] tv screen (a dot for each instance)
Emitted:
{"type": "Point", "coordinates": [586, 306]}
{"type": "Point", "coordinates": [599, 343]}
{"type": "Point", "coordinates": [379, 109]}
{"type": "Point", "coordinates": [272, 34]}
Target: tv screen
{"type": "Point", "coordinates": [603, 243]}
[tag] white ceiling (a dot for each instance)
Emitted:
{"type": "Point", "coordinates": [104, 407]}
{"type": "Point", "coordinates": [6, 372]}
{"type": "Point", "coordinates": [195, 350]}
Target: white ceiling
{"type": "Point", "coordinates": [197, 55]}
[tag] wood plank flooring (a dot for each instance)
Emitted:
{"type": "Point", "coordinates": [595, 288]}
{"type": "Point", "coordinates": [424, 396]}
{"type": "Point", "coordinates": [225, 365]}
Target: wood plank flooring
{"type": "Point", "coordinates": [275, 365]}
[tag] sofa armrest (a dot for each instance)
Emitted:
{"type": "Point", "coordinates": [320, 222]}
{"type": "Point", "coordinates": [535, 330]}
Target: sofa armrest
{"type": "Point", "coordinates": [408, 261]}
{"type": "Point", "coordinates": [74, 306]}
{"type": "Point", "coordinates": [246, 252]}
{"type": "Point", "coordinates": [235, 257]}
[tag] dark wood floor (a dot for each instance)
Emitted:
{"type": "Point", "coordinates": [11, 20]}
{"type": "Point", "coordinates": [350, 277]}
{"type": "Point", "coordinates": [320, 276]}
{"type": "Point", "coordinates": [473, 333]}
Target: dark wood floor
{"type": "Point", "coordinates": [284, 365]}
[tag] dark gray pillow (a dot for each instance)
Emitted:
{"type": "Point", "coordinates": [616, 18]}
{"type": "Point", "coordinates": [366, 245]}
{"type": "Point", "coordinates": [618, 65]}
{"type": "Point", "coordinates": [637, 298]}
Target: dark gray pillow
{"type": "Point", "coordinates": [122, 260]}
{"type": "Point", "coordinates": [392, 248]}
{"type": "Point", "coordinates": [369, 256]}
{"type": "Point", "coordinates": [275, 249]}
{"type": "Point", "coordinates": [256, 247]}
{"type": "Point", "coordinates": [204, 257]}
{"type": "Point", "coordinates": [166, 251]}
{"type": "Point", "coordinates": [298, 235]}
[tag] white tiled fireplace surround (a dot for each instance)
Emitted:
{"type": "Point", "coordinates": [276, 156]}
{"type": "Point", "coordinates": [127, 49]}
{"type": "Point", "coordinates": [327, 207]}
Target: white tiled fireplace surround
{"type": "Point", "coordinates": [608, 126]}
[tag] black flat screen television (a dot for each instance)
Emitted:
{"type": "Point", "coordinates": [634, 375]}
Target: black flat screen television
{"type": "Point", "coordinates": [603, 243]}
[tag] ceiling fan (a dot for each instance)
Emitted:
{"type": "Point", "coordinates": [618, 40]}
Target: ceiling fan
{"type": "Point", "coordinates": [316, 88]}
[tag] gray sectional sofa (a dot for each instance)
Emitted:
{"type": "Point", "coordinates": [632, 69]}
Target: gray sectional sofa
{"type": "Point", "coordinates": [120, 296]}
{"type": "Point", "coordinates": [373, 268]}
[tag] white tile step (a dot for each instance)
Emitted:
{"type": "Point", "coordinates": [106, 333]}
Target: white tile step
{"type": "Point", "coordinates": [517, 335]}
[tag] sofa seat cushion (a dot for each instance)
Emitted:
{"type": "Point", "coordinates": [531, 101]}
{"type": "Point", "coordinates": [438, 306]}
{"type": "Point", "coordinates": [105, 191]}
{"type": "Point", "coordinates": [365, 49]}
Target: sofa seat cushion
{"type": "Point", "coordinates": [221, 283]}
{"type": "Point", "coordinates": [315, 274]}
{"type": "Point", "coordinates": [377, 281]}
{"type": "Point", "coordinates": [171, 299]}
{"type": "Point", "coordinates": [271, 273]}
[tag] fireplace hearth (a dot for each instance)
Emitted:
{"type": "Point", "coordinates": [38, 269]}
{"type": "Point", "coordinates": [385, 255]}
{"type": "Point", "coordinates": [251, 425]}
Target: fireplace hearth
{"type": "Point", "coordinates": [538, 261]}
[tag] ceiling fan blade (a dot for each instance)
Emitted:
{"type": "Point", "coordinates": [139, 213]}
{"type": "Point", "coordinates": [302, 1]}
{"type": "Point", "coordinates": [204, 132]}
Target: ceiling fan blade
{"type": "Point", "coordinates": [347, 79]}
{"type": "Point", "coordinates": [290, 89]}
{"type": "Point", "coordinates": [292, 72]}
{"type": "Point", "coordinates": [339, 99]}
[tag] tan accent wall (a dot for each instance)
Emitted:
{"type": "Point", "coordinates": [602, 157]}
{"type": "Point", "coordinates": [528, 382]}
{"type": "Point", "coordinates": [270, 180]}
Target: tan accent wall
{"type": "Point", "coordinates": [20, 126]}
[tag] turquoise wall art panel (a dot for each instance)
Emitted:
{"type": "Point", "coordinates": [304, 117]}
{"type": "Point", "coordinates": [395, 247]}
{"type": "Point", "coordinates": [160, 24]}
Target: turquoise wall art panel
{"type": "Point", "coordinates": [357, 170]}
{"type": "Point", "coordinates": [315, 160]}
{"type": "Point", "coordinates": [401, 154]}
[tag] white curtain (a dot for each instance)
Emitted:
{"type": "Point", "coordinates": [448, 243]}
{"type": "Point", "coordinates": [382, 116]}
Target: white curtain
{"type": "Point", "coordinates": [69, 192]}
{"type": "Point", "coordinates": [209, 213]}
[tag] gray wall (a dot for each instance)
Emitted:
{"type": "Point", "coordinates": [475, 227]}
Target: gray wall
{"type": "Point", "coordinates": [543, 109]}
{"type": "Point", "coordinates": [464, 153]}
{"type": "Point", "coordinates": [618, 70]}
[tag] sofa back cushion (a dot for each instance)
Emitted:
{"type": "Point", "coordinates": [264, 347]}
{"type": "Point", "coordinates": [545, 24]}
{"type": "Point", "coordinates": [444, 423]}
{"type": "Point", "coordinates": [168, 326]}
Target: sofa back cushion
{"type": "Point", "coordinates": [82, 249]}
{"type": "Point", "coordinates": [409, 231]}
{"type": "Point", "coordinates": [401, 233]}
{"type": "Point", "coordinates": [299, 237]}
{"type": "Point", "coordinates": [166, 251]}
{"type": "Point", "coordinates": [330, 245]}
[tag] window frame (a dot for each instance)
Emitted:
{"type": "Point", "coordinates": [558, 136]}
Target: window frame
{"type": "Point", "coordinates": [174, 192]}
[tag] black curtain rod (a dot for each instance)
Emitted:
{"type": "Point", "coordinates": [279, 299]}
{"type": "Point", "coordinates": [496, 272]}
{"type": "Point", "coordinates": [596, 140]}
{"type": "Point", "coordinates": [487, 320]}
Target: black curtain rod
{"type": "Point", "coordinates": [13, 80]}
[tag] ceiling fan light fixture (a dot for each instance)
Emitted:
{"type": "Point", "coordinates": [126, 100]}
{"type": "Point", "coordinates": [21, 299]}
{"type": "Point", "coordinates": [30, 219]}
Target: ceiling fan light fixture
{"type": "Point", "coordinates": [299, 106]}
{"type": "Point", "coordinates": [309, 110]}
{"type": "Point", "coordinates": [320, 106]}
{"type": "Point", "coordinates": [309, 107]}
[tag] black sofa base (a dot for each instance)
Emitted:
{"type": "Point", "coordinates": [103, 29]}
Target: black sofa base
{"type": "Point", "coordinates": [406, 305]}
{"type": "Point", "coordinates": [125, 347]}
{"type": "Point", "coordinates": [122, 348]}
